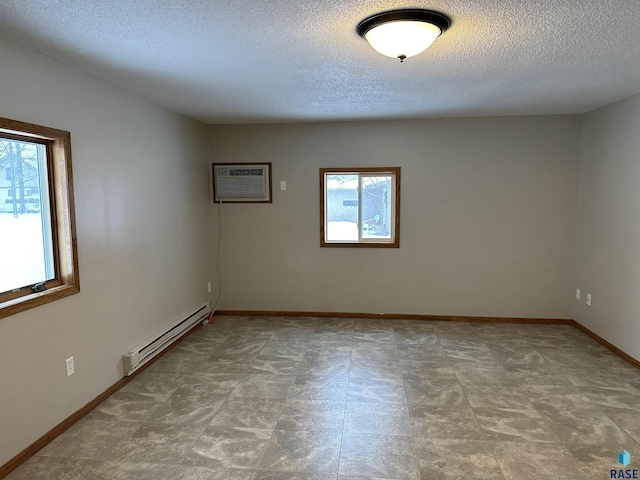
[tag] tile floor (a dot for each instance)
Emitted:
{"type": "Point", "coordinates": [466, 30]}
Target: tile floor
{"type": "Point", "coordinates": [340, 399]}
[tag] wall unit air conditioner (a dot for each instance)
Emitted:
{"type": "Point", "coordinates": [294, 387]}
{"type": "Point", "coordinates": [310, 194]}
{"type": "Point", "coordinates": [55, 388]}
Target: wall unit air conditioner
{"type": "Point", "coordinates": [242, 182]}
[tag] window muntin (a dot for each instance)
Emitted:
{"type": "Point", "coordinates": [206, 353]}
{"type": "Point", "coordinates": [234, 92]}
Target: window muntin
{"type": "Point", "coordinates": [360, 207]}
{"type": "Point", "coordinates": [38, 247]}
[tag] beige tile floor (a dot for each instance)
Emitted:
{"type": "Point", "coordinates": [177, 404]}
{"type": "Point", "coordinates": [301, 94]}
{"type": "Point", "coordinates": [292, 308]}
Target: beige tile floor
{"type": "Point", "coordinates": [341, 399]}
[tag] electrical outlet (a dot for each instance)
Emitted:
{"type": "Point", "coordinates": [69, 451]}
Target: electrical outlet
{"type": "Point", "coordinates": [209, 287]}
{"type": "Point", "coordinates": [589, 299]}
{"type": "Point", "coordinates": [577, 294]}
{"type": "Point", "coordinates": [71, 369]}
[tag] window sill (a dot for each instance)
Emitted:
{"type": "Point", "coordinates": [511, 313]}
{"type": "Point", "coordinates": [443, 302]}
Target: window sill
{"type": "Point", "coordinates": [26, 302]}
{"type": "Point", "coordinates": [360, 245]}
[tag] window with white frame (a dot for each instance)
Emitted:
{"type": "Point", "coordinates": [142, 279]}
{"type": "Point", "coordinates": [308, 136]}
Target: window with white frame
{"type": "Point", "coordinates": [38, 250]}
{"type": "Point", "coordinates": [360, 207]}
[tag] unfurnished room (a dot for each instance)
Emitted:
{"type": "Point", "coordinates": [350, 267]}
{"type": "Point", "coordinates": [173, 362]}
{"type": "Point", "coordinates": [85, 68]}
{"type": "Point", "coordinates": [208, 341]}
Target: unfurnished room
{"type": "Point", "coordinates": [319, 241]}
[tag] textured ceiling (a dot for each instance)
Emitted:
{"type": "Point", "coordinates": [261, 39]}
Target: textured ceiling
{"type": "Point", "coordinates": [286, 61]}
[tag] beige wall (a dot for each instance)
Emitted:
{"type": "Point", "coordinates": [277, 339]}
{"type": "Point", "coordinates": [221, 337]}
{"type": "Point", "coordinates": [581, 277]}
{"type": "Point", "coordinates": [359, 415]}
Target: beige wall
{"type": "Point", "coordinates": [488, 220]}
{"type": "Point", "coordinates": [142, 208]}
{"type": "Point", "coordinates": [489, 209]}
{"type": "Point", "coordinates": [608, 254]}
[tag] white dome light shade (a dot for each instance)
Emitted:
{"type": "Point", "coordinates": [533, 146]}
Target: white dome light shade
{"type": "Point", "coordinates": [403, 33]}
{"type": "Point", "coordinates": [402, 39]}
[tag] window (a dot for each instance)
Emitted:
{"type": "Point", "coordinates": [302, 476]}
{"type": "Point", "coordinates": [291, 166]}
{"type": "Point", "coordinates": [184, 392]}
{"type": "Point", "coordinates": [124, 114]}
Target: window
{"type": "Point", "coordinates": [360, 207]}
{"type": "Point", "coordinates": [38, 248]}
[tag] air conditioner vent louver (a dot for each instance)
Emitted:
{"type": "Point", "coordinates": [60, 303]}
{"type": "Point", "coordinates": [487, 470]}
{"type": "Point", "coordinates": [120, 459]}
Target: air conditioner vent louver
{"type": "Point", "coordinates": [245, 182]}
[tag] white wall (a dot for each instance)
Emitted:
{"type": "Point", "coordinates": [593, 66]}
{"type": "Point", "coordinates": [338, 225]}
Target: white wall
{"type": "Point", "coordinates": [608, 255]}
{"type": "Point", "coordinates": [488, 218]}
{"type": "Point", "coordinates": [142, 209]}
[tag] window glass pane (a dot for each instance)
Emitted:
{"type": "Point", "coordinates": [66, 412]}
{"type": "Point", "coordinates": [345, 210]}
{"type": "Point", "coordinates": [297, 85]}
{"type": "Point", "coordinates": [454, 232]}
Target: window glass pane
{"type": "Point", "coordinates": [25, 232]}
{"type": "Point", "coordinates": [341, 223]}
{"type": "Point", "coordinates": [376, 206]}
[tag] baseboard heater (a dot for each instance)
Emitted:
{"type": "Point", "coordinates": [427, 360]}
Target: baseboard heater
{"type": "Point", "coordinates": [152, 346]}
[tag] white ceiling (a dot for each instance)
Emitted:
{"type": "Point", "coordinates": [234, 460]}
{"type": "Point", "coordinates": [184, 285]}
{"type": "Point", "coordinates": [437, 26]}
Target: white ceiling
{"type": "Point", "coordinates": [287, 61]}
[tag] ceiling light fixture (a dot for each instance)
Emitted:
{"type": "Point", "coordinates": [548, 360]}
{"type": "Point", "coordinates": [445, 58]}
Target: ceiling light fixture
{"type": "Point", "coordinates": [403, 33]}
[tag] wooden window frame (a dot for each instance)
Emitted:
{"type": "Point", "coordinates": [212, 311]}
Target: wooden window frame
{"type": "Point", "coordinates": [66, 279]}
{"type": "Point", "coordinates": [395, 243]}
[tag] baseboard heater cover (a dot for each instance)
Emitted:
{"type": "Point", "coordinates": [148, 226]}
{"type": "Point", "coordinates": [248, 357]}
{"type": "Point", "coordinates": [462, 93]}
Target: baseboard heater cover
{"type": "Point", "coordinates": [152, 346]}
